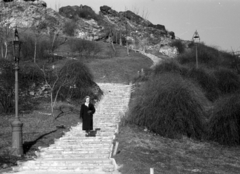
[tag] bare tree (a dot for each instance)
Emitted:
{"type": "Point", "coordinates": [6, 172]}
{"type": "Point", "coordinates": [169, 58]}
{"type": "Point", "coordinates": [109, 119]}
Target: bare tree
{"type": "Point", "coordinates": [55, 40]}
{"type": "Point", "coordinates": [37, 28]}
{"type": "Point", "coordinates": [55, 79]}
{"type": "Point", "coordinates": [127, 27]}
{"type": "Point", "coordinates": [5, 30]}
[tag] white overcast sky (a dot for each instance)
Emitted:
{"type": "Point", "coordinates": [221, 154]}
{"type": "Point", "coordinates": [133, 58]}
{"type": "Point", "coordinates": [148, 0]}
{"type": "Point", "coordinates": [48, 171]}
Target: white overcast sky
{"type": "Point", "coordinates": [217, 21]}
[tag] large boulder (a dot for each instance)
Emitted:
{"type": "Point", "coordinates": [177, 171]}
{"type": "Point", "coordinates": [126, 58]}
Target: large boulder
{"type": "Point", "coordinates": [27, 15]}
{"type": "Point", "coordinates": [105, 10]}
{"type": "Point", "coordinates": [69, 11]}
{"type": "Point", "coordinates": [76, 12]}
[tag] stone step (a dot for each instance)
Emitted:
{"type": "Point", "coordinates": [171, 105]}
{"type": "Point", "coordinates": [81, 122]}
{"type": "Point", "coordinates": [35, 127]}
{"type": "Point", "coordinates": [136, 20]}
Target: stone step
{"type": "Point", "coordinates": [65, 172]}
{"type": "Point", "coordinates": [68, 148]}
{"type": "Point", "coordinates": [98, 134]}
{"type": "Point", "coordinates": [74, 156]}
{"type": "Point", "coordinates": [66, 163]}
{"type": "Point", "coordinates": [89, 145]}
{"type": "Point", "coordinates": [86, 139]}
{"type": "Point", "coordinates": [75, 151]}
{"type": "Point", "coordinates": [77, 168]}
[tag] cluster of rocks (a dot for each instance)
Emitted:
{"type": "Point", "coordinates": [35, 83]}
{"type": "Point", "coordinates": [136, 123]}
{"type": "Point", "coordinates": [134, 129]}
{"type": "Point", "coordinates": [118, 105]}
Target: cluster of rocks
{"type": "Point", "coordinates": [91, 26]}
{"type": "Point", "coordinates": [29, 14]}
{"type": "Point", "coordinates": [36, 2]}
{"type": "Point", "coordinates": [141, 32]}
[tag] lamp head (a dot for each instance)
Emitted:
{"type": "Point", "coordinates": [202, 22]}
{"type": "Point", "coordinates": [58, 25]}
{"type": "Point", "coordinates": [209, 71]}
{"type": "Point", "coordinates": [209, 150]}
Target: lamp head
{"type": "Point", "coordinates": [16, 37]}
{"type": "Point", "coordinates": [16, 46]}
{"type": "Point", "coordinates": [196, 36]}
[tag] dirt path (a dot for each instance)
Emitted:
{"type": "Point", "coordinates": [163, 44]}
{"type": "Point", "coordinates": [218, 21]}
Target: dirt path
{"type": "Point", "coordinates": [156, 60]}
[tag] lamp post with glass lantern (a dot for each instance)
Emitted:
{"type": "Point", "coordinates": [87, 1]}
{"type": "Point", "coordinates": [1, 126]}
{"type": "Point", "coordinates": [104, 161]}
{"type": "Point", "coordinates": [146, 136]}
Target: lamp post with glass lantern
{"type": "Point", "coordinates": [16, 124]}
{"type": "Point", "coordinates": [195, 38]}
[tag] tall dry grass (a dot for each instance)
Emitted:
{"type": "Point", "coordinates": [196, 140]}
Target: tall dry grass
{"type": "Point", "coordinates": [170, 106]}
{"type": "Point", "coordinates": [224, 124]}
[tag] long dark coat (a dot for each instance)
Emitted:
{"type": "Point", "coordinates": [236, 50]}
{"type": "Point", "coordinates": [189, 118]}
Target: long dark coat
{"type": "Point", "coordinates": [86, 114]}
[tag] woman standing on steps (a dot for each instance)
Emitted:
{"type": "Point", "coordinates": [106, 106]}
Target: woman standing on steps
{"type": "Point", "coordinates": [86, 114]}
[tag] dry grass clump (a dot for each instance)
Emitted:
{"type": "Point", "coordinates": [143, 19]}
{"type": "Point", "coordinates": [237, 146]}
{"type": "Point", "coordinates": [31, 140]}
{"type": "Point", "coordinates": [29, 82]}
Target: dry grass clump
{"type": "Point", "coordinates": [170, 66]}
{"type": "Point", "coordinates": [179, 45]}
{"type": "Point", "coordinates": [224, 124]}
{"type": "Point", "coordinates": [84, 47]}
{"type": "Point", "coordinates": [206, 80]}
{"type": "Point", "coordinates": [227, 80]}
{"type": "Point", "coordinates": [207, 56]}
{"type": "Point", "coordinates": [80, 81]}
{"type": "Point", "coordinates": [170, 106]}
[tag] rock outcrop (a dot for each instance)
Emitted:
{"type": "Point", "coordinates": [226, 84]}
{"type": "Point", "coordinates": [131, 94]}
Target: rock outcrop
{"type": "Point", "coordinates": [36, 2]}
{"type": "Point", "coordinates": [25, 14]}
{"type": "Point", "coordinates": [107, 25]}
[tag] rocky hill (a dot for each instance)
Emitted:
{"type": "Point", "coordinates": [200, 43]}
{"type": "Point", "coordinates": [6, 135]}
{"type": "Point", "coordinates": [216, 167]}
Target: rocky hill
{"type": "Point", "coordinates": [107, 25]}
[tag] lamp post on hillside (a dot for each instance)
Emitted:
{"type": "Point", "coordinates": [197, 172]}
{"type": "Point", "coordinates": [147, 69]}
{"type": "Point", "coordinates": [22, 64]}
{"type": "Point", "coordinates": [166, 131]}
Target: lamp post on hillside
{"type": "Point", "coordinates": [196, 38]}
{"type": "Point", "coordinates": [16, 124]}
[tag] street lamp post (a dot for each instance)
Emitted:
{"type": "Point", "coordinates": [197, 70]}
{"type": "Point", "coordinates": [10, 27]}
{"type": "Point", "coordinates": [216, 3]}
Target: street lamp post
{"type": "Point", "coordinates": [195, 38]}
{"type": "Point", "coordinates": [16, 124]}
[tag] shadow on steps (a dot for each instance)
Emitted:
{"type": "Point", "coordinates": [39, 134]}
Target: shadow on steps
{"type": "Point", "coordinates": [27, 145]}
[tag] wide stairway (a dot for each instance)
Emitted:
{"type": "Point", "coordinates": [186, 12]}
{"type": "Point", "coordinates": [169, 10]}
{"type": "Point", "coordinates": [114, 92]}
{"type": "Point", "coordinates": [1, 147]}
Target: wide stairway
{"type": "Point", "coordinates": [76, 154]}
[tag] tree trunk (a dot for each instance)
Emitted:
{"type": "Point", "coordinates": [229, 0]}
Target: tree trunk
{"type": "Point", "coordinates": [127, 48]}
{"type": "Point", "coordinates": [120, 38]}
{"type": "Point", "coordinates": [111, 42]}
{"type": "Point", "coordinates": [6, 49]}
{"type": "Point", "coordinates": [35, 51]}
{"type": "Point", "coordinates": [52, 103]}
{"type": "Point", "coordinates": [2, 54]}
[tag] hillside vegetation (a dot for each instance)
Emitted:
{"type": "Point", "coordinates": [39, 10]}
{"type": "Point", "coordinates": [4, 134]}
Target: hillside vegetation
{"type": "Point", "coordinates": [40, 126]}
{"type": "Point", "coordinates": [178, 99]}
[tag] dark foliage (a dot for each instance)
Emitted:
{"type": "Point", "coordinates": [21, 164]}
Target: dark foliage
{"type": "Point", "coordinates": [206, 80]}
{"type": "Point", "coordinates": [84, 47]}
{"type": "Point", "coordinates": [6, 86]}
{"type": "Point", "coordinates": [224, 124]}
{"type": "Point", "coordinates": [79, 82]}
{"type": "Point", "coordinates": [179, 45]}
{"type": "Point", "coordinates": [88, 13]}
{"type": "Point", "coordinates": [208, 56]}
{"type": "Point", "coordinates": [170, 66]}
{"type": "Point", "coordinates": [28, 48]}
{"type": "Point", "coordinates": [228, 81]}
{"type": "Point", "coordinates": [30, 75]}
{"type": "Point", "coordinates": [27, 76]}
{"type": "Point", "coordinates": [230, 61]}
{"type": "Point", "coordinates": [170, 106]}
{"type": "Point", "coordinates": [69, 28]}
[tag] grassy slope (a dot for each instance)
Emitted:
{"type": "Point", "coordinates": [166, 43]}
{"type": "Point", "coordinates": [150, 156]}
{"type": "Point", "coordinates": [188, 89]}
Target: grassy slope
{"type": "Point", "coordinates": [139, 151]}
{"type": "Point", "coordinates": [120, 69]}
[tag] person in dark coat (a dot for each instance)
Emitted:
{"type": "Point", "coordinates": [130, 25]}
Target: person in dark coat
{"type": "Point", "coordinates": [86, 113]}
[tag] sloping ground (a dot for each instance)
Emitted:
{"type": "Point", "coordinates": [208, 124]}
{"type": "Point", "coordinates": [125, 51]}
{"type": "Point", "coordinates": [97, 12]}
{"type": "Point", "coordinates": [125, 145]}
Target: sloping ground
{"type": "Point", "coordinates": [121, 68]}
{"type": "Point", "coordinates": [75, 153]}
{"type": "Point", "coordinates": [141, 150]}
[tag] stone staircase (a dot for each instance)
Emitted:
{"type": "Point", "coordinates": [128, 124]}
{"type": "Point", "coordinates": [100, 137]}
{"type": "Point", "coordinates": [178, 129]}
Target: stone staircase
{"type": "Point", "coordinates": [76, 154]}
